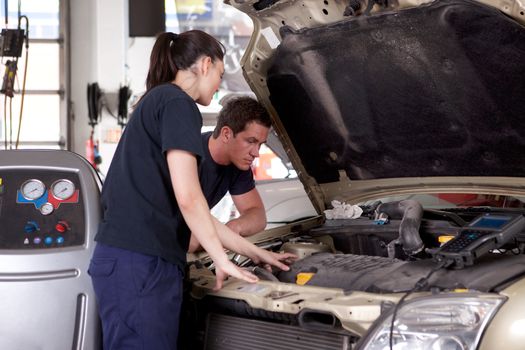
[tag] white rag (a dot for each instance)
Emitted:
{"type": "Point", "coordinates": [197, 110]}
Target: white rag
{"type": "Point", "coordinates": [343, 211]}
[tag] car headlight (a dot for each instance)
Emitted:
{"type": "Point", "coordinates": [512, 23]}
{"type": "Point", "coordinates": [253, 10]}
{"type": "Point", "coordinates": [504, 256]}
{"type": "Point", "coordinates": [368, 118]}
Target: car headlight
{"type": "Point", "coordinates": [445, 322]}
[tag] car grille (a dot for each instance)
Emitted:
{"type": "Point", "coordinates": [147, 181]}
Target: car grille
{"type": "Point", "coordinates": [235, 333]}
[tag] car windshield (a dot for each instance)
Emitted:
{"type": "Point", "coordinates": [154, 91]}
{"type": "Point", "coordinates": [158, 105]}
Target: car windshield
{"type": "Point", "coordinates": [459, 200]}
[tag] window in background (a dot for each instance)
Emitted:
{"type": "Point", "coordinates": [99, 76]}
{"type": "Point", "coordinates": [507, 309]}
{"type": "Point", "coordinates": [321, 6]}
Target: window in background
{"type": "Point", "coordinates": [44, 108]}
{"type": "Point", "coordinates": [269, 166]}
{"type": "Point", "coordinates": [232, 27]}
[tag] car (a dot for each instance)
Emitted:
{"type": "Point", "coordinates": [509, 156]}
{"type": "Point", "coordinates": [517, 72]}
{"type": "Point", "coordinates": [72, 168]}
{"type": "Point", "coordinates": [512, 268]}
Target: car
{"type": "Point", "coordinates": [284, 200]}
{"type": "Point", "coordinates": [403, 120]}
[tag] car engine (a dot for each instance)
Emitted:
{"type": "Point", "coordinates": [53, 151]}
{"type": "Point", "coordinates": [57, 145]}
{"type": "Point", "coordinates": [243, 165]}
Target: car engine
{"type": "Point", "coordinates": [393, 248]}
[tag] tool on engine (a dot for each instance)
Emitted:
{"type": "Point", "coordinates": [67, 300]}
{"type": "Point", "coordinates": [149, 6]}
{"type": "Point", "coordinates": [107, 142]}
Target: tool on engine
{"type": "Point", "coordinates": [487, 232]}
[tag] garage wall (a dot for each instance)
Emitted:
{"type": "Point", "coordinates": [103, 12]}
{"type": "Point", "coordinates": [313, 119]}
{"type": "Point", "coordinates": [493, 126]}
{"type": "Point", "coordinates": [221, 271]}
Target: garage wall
{"type": "Point", "coordinates": [102, 52]}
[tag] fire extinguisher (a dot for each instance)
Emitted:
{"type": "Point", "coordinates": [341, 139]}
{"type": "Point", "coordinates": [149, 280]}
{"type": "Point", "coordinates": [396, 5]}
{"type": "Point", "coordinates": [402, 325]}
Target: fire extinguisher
{"type": "Point", "coordinates": [94, 106]}
{"type": "Point", "coordinates": [90, 150]}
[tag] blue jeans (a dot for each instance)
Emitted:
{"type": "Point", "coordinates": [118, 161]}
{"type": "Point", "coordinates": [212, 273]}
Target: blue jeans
{"type": "Point", "coordinates": [139, 299]}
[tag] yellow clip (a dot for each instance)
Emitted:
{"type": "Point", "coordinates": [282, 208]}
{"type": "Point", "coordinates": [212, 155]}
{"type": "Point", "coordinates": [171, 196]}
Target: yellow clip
{"type": "Point", "coordinates": [303, 278]}
{"type": "Point", "coordinates": [0, 181]}
{"type": "Point", "coordinates": [460, 290]}
{"type": "Point", "coordinates": [444, 239]}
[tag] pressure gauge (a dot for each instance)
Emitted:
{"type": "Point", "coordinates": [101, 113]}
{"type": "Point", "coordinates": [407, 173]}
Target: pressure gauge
{"type": "Point", "coordinates": [62, 189]}
{"type": "Point", "coordinates": [32, 189]}
{"type": "Point", "coordinates": [46, 208]}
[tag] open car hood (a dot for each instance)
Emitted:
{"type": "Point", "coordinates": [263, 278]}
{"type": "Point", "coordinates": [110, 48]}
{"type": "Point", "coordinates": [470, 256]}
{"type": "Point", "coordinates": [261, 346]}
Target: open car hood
{"type": "Point", "coordinates": [399, 98]}
{"type": "Point", "coordinates": [393, 98]}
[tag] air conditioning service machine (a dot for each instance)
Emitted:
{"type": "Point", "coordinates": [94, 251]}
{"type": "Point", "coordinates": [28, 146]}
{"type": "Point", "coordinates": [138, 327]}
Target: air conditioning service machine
{"type": "Point", "coordinates": [49, 213]}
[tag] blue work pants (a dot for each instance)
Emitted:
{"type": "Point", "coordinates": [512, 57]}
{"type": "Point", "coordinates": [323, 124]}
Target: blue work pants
{"type": "Point", "coordinates": [139, 299]}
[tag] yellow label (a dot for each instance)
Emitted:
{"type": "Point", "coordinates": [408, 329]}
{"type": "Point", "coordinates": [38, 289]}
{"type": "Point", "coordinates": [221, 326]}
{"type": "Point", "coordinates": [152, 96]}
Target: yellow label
{"type": "Point", "coordinates": [303, 278]}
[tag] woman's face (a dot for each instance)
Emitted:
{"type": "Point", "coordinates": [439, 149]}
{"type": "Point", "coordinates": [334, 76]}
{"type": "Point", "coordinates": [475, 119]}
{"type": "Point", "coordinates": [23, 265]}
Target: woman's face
{"type": "Point", "coordinates": [210, 82]}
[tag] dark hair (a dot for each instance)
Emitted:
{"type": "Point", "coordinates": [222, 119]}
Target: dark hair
{"type": "Point", "coordinates": [172, 52]}
{"type": "Point", "coordinates": [239, 112]}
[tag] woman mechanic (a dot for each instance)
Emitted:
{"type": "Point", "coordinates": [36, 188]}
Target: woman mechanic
{"type": "Point", "coordinates": [152, 200]}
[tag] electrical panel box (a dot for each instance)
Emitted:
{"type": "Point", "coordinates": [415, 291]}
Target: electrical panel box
{"type": "Point", "coordinates": [11, 42]}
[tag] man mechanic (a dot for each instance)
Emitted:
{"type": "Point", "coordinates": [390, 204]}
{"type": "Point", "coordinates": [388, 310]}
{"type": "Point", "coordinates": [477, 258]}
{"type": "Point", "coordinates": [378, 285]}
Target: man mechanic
{"type": "Point", "coordinates": [242, 127]}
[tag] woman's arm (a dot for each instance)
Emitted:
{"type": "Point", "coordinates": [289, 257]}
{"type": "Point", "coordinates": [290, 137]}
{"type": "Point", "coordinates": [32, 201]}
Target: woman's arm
{"type": "Point", "coordinates": [194, 209]}
{"type": "Point", "coordinates": [241, 245]}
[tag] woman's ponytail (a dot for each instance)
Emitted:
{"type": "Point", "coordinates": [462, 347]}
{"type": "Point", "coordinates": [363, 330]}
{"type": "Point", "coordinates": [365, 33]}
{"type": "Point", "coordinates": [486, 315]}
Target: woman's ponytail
{"type": "Point", "coordinates": [172, 52]}
{"type": "Point", "coordinates": [162, 68]}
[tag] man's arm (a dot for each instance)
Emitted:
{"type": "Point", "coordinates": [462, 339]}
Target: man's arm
{"type": "Point", "coordinates": [252, 217]}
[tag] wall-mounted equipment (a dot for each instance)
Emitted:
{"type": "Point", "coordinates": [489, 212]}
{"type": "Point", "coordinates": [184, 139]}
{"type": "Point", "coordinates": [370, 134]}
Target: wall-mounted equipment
{"type": "Point", "coordinates": [11, 43]}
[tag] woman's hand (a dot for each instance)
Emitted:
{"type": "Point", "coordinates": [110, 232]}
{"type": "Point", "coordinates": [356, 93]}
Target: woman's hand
{"type": "Point", "coordinates": [226, 268]}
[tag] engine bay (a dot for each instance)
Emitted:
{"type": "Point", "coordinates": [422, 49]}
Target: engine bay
{"type": "Point", "coordinates": [367, 255]}
{"type": "Point", "coordinates": [351, 272]}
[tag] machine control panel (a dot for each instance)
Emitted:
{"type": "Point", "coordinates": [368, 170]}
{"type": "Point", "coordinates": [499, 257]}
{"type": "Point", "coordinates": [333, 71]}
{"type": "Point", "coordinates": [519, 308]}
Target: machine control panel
{"type": "Point", "coordinates": [40, 209]}
{"type": "Point", "coordinates": [486, 232]}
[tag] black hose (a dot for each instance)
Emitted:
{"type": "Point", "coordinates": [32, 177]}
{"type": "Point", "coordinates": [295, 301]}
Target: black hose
{"type": "Point", "coordinates": [410, 212]}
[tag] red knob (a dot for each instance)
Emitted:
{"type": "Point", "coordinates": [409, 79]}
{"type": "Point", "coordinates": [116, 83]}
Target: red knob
{"type": "Point", "coordinates": [61, 226]}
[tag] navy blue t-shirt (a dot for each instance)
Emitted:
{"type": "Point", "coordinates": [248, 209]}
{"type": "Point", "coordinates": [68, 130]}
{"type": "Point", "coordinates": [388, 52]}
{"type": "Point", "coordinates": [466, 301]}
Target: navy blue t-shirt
{"type": "Point", "coordinates": [140, 212]}
{"type": "Point", "coordinates": [217, 179]}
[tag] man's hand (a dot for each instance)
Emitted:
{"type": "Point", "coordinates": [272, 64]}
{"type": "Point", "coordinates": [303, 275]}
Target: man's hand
{"type": "Point", "coordinates": [279, 260]}
{"type": "Point", "coordinates": [241, 245]}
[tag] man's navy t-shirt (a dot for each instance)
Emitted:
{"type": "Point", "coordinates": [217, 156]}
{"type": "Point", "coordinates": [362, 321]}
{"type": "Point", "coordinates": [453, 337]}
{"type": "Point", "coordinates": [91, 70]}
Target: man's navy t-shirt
{"type": "Point", "coordinates": [140, 212]}
{"type": "Point", "coordinates": [217, 179]}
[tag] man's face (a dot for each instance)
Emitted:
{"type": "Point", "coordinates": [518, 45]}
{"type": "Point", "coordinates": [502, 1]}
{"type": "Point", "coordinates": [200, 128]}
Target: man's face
{"type": "Point", "coordinates": [243, 148]}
